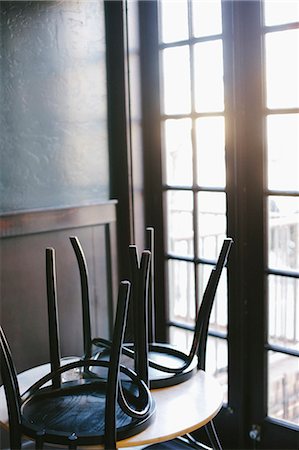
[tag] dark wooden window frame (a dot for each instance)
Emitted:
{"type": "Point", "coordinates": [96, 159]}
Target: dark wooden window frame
{"type": "Point", "coordinates": [245, 131]}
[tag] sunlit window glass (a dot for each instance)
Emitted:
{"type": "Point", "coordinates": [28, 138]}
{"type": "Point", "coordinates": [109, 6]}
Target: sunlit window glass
{"type": "Point", "coordinates": [178, 151]}
{"type": "Point", "coordinates": [217, 357]}
{"type": "Point", "coordinates": [180, 222]}
{"type": "Point", "coordinates": [206, 17]}
{"type": "Point", "coordinates": [211, 223]}
{"type": "Point", "coordinates": [181, 292]}
{"type": "Point", "coordinates": [210, 148]}
{"type": "Point", "coordinates": [283, 154]}
{"type": "Point", "coordinates": [283, 223]}
{"type": "Point", "coordinates": [278, 12]}
{"type": "Point", "coordinates": [283, 387]}
{"type": "Point", "coordinates": [208, 70]}
{"type": "Point", "coordinates": [283, 311]}
{"type": "Point", "coordinates": [181, 339]}
{"type": "Point", "coordinates": [176, 80]}
{"type": "Point", "coordinates": [282, 69]}
{"type": "Point", "coordinates": [174, 20]}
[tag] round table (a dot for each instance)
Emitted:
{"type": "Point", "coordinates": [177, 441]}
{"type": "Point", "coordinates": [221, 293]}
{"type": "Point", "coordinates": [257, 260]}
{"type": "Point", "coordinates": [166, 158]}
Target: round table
{"type": "Point", "coordinates": [180, 409]}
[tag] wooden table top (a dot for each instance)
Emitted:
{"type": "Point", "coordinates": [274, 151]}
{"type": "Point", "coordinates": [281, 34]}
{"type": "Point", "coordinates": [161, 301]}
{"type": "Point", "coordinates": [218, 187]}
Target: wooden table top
{"type": "Point", "coordinates": [179, 409]}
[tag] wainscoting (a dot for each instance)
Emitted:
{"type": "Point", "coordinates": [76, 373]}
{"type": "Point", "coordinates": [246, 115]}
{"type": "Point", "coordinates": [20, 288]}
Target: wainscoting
{"type": "Point", "coordinates": [24, 238]}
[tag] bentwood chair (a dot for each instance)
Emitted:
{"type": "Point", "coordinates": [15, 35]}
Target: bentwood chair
{"type": "Point", "coordinates": [168, 365]}
{"type": "Point", "coordinates": [92, 412]}
{"type": "Point", "coordinates": [197, 352]}
{"type": "Point", "coordinates": [98, 347]}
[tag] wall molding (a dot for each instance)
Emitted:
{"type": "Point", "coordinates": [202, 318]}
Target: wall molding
{"type": "Point", "coordinates": [40, 221]}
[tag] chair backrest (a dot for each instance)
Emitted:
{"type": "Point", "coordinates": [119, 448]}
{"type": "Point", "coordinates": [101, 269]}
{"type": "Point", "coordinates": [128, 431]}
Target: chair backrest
{"type": "Point", "coordinates": [203, 316]}
{"type": "Point", "coordinates": [12, 392]}
{"type": "Point", "coordinates": [83, 270]}
{"type": "Point", "coordinates": [150, 245]}
{"type": "Point", "coordinates": [139, 297]}
{"type": "Point", "coordinates": [11, 386]}
{"type": "Point", "coordinates": [53, 329]}
{"type": "Point", "coordinates": [114, 367]}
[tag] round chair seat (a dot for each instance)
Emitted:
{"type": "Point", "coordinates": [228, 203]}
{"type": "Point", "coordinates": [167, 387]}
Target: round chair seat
{"type": "Point", "coordinates": [76, 411]}
{"type": "Point", "coordinates": [159, 353]}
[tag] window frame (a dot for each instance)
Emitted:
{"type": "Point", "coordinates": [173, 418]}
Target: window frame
{"type": "Point", "coordinates": [245, 155]}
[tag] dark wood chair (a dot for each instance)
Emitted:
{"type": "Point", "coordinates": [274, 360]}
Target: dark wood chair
{"type": "Point", "coordinates": [134, 355]}
{"type": "Point", "coordinates": [89, 412]}
{"type": "Point", "coordinates": [168, 365]}
{"type": "Point", "coordinates": [184, 366]}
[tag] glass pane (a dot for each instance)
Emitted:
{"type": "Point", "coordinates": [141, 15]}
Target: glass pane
{"type": "Point", "coordinates": [217, 355]}
{"type": "Point", "coordinates": [210, 151]}
{"type": "Point", "coordinates": [283, 387]}
{"type": "Point", "coordinates": [283, 223]}
{"type": "Point", "coordinates": [181, 339]}
{"type": "Point", "coordinates": [216, 364]}
{"type": "Point", "coordinates": [180, 223]}
{"type": "Point", "coordinates": [206, 17]}
{"type": "Point", "coordinates": [208, 70]}
{"type": "Point", "coordinates": [174, 20]}
{"type": "Point", "coordinates": [218, 319]}
{"type": "Point", "coordinates": [282, 69]}
{"type": "Point", "coordinates": [211, 223]}
{"type": "Point", "coordinates": [176, 80]}
{"type": "Point", "coordinates": [279, 12]}
{"type": "Point", "coordinates": [284, 311]}
{"type": "Point", "coordinates": [283, 154]}
{"type": "Point", "coordinates": [181, 291]}
{"type": "Point", "coordinates": [178, 151]}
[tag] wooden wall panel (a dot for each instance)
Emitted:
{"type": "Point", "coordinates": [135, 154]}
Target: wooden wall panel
{"type": "Point", "coordinates": [23, 282]}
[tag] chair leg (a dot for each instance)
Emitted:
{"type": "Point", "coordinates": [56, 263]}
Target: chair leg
{"type": "Point", "coordinates": [193, 443]}
{"type": "Point", "coordinates": [15, 440]}
{"type": "Point", "coordinates": [39, 443]}
{"type": "Point", "coordinates": [212, 435]}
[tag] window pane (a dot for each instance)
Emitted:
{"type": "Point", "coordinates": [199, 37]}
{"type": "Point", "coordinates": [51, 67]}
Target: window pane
{"type": "Point", "coordinates": [211, 223]}
{"type": "Point", "coordinates": [278, 12]}
{"type": "Point", "coordinates": [174, 20]}
{"type": "Point", "coordinates": [217, 356]}
{"type": "Point", "coordinates": [178, 151]}
{"type": "Point", "coordinates": [283, 218]}
{"type": "Point", "coordinates": [283, 154]}
{"type": "Point", "coordinates": [282, 69]}
{"type": "Point", "coordinates": [181, 339]}
{"type": "Point", "coordinates": [283, 387]}
{"type": "Point", "coordinates": [210, 151]}
{"type": "Point", "coordinates": [284, 311]}
{"type": "Point", "coordinates": [176, 80]}
{"type": "Point", "coordinates": [180, 222]}
{"type": "Point", "coordinates": [181, 291]}
{"type": "Point", "coordinates": [208, 70]}
{"type": "Point", "coordinates": [206, 17]}
{"type": "Point", "coordinates": [218, 319]}
{"type": "Point", "coordinates": [216, 364]}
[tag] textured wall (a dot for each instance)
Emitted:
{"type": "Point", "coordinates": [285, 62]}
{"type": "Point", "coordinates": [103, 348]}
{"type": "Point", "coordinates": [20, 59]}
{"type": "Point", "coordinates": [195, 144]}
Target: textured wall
{"type": "Point", "coordinates": [53, 113]}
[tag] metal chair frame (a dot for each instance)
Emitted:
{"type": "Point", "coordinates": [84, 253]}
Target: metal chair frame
{"type": "Point", "coordinates": [138, 409]}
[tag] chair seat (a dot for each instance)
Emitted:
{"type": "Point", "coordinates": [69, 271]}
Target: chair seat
{"type": "Point", "coordinates": [79, 410]}
{"type": "Point", "coordinates": [159, 353]}
{"type": "Point", "coordinates": [167, 356]}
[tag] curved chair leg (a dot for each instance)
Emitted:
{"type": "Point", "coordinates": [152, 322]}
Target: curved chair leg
{"type": "Point", "coordinates": [212, 435]}
{"type": "Point", "coordinates": [193, 443]}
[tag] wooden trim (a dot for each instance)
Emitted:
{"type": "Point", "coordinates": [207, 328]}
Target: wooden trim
{"type": "Point", "coordinates": [40, 221]}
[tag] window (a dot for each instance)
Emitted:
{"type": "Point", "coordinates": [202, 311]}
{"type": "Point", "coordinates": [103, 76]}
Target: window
{"type": "Point", "coordinates": [193, 138]}
{"type": "Point", "coordinates": [281, 44]}
{"type": "Point", "coordinates": [226, 114]}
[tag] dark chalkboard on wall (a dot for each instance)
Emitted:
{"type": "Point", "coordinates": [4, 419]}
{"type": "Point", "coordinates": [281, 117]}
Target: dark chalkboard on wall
{"type": "Point", "coordinates": [53, 105]}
